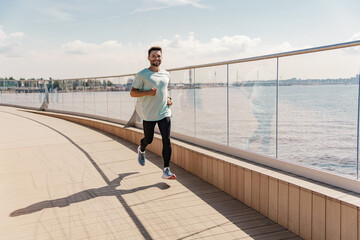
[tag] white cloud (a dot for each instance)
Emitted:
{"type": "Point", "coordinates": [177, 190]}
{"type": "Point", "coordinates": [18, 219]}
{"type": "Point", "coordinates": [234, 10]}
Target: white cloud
{"type": "Point", "coordinates": [10, 43]}
{"type": "Point", "coordinates": [155, 5]}
{"type": "Point", "coordinates": [189, 51]}
{"type": "Point", "coordinates": [355, 37]}
{"type": "Point", "coordinates": [194, 3]}
{"type": "Point", "coordinates": [83, 59]}
{"type": "Point", "coordinates": [17, 35]}
{"type": "Point", "coordinates": [177, 49]}
{"type": "Point", "coordinates": [79, 47]}
{"type": "Point", "coordinates": [354, 50]}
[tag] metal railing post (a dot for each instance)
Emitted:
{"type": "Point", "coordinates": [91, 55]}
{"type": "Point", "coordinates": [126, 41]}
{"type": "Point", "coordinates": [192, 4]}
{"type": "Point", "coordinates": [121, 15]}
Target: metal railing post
{"type": "Point", "coordinates": [107, 99]}
{"type": "Point", "coordinates": [83, 94]}
{"type": "Point", "coordinates": [194, 103]}
{"type": "Point", "coordinates": [227, 107]}
{"type": "Point", "coordinates": [277, 107]}
{"type": "Point", "coordinates": [94, 97]}
{"type": "Point", "coordinates": [357, 134]}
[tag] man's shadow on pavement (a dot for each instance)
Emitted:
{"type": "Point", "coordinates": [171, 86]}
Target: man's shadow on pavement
{"type": "Point", "coordinates": [109, 190]}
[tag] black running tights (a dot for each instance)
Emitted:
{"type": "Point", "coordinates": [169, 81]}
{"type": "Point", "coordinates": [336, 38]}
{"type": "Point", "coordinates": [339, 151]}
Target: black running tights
{"type": "Point", "coordinates": [164, 127]}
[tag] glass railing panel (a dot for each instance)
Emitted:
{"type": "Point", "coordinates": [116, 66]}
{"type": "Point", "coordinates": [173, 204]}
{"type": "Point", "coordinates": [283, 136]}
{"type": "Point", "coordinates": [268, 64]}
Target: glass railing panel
{"type": "Point", "coordinates": [89, 96]}
{"type": "Point", "coordinates": [17, 97]}
{"type": "Point", "coordinates": [55, 101]}
{"type": "Point", "coordinates": [26, 99]}
{"type": "Point", "coordinates": [67, 94]}
{"type": "Point", "coordinates": [11, 91]}
{"type": "Point", "coordinates": [78, 96]}
{"type": "Point", "coordinates": [358, 128]}
{"type": "Point", "coordinates": [37, 89]}
{"type": "Point", "coordinates": [62, 91]}
{"type": "Point", "coordinates": [252, 111]}
{"type": "Point", "coordinates": [210, 86]}
{"type": "Point", "coordinates": [127, 103]}
{"type": "Point", "coordinates": [33, 94]}
{"type": "Point", "coordinates": [21, 94]}
{"type": "Point", "coordinates": [5, 94]}
{"type": "Point", "coordinates": [100, 95]}
{"type": "Point", "coordinates": [113, 99]}
{"type": "Point", "coordinates": [2, 91]}
{"type": "Point", "coordinates": [14, 98]}
{"type": "Point", "coordinates": [41, 85]}
{"type": "Point", "coordinates": [318, 97]}
{"type": "Point", "coordinates": [8, 90]}
{"type": "Point", "coordinates": [182, 92]}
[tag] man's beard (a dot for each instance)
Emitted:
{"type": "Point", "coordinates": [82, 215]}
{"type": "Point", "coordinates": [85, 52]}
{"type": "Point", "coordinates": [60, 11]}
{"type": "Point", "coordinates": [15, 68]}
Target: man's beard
{"type": "Point", "coordinates": [155, 64]}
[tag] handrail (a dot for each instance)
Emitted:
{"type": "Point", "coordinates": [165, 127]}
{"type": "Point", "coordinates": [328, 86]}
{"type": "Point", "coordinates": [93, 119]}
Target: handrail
{"type": "Point", "coordinates": [284, 54]}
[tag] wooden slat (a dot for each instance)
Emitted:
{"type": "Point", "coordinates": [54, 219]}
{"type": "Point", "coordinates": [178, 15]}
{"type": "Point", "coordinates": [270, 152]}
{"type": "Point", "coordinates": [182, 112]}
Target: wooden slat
{"type": "Point", "coordinates": [283, 207]}
{"type": "Point", "coordinates": [205, 162]}
{"type": "Point", "coordinates": [273, 199]}
{"type": "Point", "coordinates": [333, 217]}
{"type": "Point", "coordinates": [305, 213]}
{"type": "Point", "coordinates": [255, 191]}
{"type": "Point", "coordinates": [318, 217]}
{"type": "Point", "coordinates": [221, 180]}
{"type": "Point", "coordinates": [294, 209]}
{"type": "Point", "coordinates": [227, 178]}
{"type": "Point", "coordinates": [240, 184]}
{"type": "Point", "coordinates": [247, 187]}
{"type": "Point", "coordinates": [215, 172]}
{"type": "Point", "coordinates": [210, 175]}
{"type": "Point", "coordinates": [264, 195]}
{"type": "Point", "coordinates": [348, 222]}
{"type": "Point", "coordinates": [233, 179]}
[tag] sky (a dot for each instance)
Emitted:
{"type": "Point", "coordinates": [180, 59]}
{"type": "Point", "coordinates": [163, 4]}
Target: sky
{"type": "Point", "coordinates": [92, 38]}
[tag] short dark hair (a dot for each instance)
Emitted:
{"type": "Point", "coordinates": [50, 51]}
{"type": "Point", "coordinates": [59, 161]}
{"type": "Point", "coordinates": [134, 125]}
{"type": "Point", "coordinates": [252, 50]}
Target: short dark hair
{"type": "Point", "coordinates": [155, 48]}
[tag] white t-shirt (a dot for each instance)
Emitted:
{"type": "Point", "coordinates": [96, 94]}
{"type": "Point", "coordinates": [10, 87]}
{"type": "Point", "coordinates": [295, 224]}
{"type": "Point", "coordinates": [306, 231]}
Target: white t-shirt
{"type": "Point", "coordinates": [154, 108]}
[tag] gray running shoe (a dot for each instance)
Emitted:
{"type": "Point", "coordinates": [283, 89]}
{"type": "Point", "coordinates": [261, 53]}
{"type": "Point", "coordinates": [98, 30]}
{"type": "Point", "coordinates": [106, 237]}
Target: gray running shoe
{"type": "Point", "coordinates": [167, 174]}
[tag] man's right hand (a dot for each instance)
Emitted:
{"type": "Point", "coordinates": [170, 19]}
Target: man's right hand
{"type": "Point", "coordinates": [152, 92]}
{"type": "Point", "coordinates": [135, 92]}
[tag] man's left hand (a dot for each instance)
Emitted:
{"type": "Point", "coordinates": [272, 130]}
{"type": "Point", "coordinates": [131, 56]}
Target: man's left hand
{"type": "Point", "coordinates": [169, 102]}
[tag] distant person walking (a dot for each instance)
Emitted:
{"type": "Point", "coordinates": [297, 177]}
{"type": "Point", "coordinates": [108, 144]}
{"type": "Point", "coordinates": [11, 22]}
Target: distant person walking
{"type": "Point", "coordinates": [151, 86]}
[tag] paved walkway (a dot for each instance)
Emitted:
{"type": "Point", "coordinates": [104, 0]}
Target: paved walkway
{"type": "Point", "coordinates": [60, 180]}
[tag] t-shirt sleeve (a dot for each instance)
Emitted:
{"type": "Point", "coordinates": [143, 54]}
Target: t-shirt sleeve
{"type": "Point", "coordinates": [138, 82]}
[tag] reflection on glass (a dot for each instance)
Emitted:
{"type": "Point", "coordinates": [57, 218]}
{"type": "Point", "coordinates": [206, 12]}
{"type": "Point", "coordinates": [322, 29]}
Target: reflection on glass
{"type": "Point", "coordinates": [262, 106]}
{"type": "Point", "coordinates": [252, 106]}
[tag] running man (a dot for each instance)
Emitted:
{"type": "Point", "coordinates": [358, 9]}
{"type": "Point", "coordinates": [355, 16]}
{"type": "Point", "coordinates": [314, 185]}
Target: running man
{"type": "Point", "coordinates": [151, 86]}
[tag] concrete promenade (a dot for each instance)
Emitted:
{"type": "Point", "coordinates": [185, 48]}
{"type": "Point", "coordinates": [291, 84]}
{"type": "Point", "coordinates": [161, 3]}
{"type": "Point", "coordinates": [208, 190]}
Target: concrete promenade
{"type": "Point", "coordinates": [61, 180]}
